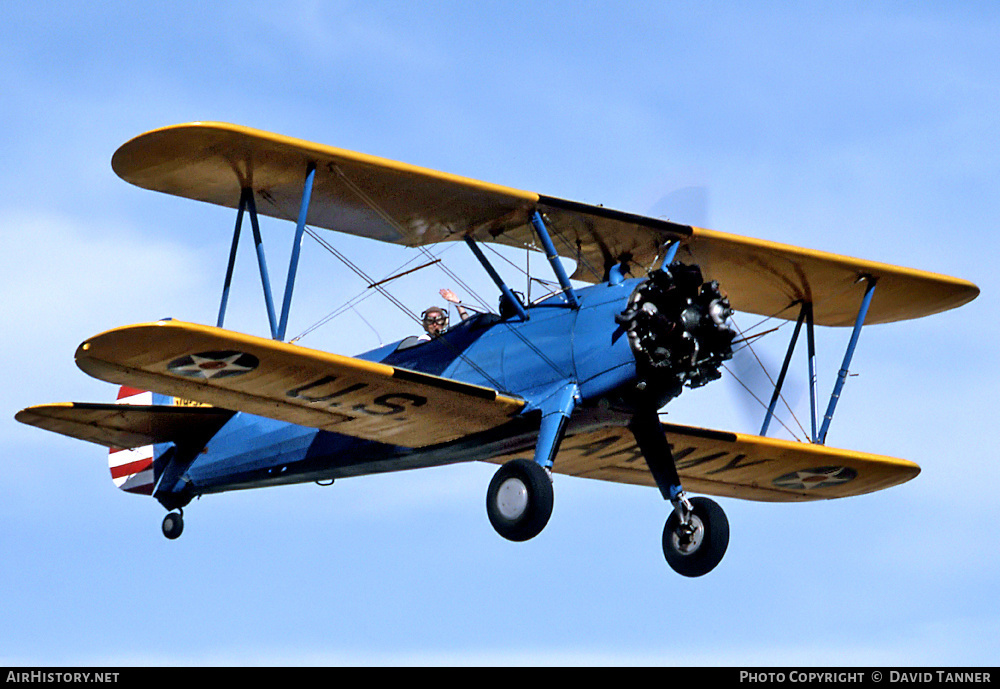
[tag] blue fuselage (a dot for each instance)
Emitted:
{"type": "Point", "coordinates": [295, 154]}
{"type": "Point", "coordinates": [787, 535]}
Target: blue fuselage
{"type": "Point", "coordinates": [526, 359]}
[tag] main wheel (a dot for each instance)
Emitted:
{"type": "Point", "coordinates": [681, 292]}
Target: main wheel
{"type": "Point", "coordinates": [696, 548]}
{"type": "Point", "coordinates": [173, 525]}
{"type": "Point", "coordinates": [519, 500]}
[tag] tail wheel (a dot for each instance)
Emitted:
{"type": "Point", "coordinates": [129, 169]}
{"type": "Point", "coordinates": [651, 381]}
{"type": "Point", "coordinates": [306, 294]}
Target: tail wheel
{"type": "Point", "coordinates": [173, 524]}
{"type": "Point", "coordinates": [694, 548]}
{"type": "Point", "coordinates": [519, 500]}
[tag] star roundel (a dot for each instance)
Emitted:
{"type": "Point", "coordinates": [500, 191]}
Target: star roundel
{"type": "Point", "coordinates": [214, 364]}
{"type": "Point", "coordinates": [820, 477]}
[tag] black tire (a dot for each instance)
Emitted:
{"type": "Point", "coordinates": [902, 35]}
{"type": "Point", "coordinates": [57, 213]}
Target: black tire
{"type": "Point", "coordinates": [696, 555]}
{"type": "Point", "coordinates": [519, 500]}
{"type": "Point", "coordinates": [173, 525]}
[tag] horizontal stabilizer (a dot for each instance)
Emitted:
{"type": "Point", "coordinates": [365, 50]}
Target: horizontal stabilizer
{"type": "Point", "coordinates": [126, 426]}
{"type": "Point", "coordinates": [734, 465]}
{"type": "Point", "coordinates": [294, 384]}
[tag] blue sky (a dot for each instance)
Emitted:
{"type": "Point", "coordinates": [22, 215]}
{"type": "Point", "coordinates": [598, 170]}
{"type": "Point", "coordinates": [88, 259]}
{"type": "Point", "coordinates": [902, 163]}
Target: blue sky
{"type": "Point", "coordinates": [866, 130]}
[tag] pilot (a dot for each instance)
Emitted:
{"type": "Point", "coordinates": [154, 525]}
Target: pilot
{"type": "Point", "coordinates": [435, 319]}
{"type": "Point", "coordinates": [435, 322]}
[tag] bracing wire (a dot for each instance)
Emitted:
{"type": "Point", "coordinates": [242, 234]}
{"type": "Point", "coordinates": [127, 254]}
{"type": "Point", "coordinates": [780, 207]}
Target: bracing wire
{"type": "Point", "coordinates": [381, 290]}
{"type": "Point", "coordinates": [759, 400]}
{"type": "Point", "coordinates": [357, 270]}
{"type": "Point", "coordinates": [747, 345]}
{"type": "Point", "coordinates": [377, 286]}
{"type": "Point", "coordinates": [354, 301]}
{"type": "Point", "coordinates": [393, 223]}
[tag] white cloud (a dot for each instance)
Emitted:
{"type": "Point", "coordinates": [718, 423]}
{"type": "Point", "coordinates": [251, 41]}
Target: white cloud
{"type": "Point", "coordinates": [63, 279]}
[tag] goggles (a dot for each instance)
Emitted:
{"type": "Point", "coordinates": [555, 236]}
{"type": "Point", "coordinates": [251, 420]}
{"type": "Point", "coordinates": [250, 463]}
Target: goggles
{"type": "Point", "coordinates": [436, 319]}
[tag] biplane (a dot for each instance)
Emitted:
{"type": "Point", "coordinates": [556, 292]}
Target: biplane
{"type": "Point", "coordinates": [571, 383]}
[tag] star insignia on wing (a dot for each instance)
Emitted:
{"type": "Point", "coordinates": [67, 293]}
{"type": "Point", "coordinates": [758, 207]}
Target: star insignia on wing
{"type": "Point", "coordinates": [820, 477]}
{"type": "Point", "coordinates": [210, 365]}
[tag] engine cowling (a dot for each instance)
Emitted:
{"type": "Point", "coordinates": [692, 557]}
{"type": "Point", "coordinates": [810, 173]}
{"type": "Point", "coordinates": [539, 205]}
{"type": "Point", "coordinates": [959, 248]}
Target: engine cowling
{"type": "Point", "coordinates": [676, 325]}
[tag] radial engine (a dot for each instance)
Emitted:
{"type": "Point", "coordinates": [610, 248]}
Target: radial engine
{"type": "Point", "coordinates": [676, 325]}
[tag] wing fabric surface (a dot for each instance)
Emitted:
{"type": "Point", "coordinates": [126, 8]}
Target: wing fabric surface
{"type": "Point", "coordinates": [393, 202]}
{"type": "Point", "coordinates": [352, 192]}
{"type": "Point", "coordinates": [734, 465]}
{"type": "Point", "coordinates": [294, 384]}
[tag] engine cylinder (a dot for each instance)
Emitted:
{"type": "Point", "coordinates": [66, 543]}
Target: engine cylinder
{"type": "Point", "coordinates": [676, 325]}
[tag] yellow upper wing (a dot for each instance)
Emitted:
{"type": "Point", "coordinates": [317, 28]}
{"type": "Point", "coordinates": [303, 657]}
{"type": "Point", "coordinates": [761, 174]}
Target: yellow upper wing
{"type": "Point", "coordinates": [733, 465]}
{"type": "Point", "coordinates": [352, 192]}
{"type": "Point", "coordinates": [295, 384]}
{"type": "Point", "coordinates": [394, 202]}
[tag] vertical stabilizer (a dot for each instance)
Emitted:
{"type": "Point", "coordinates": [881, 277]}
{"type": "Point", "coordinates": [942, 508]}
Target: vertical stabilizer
{"type": "Point", "coordinates": [132, 470]}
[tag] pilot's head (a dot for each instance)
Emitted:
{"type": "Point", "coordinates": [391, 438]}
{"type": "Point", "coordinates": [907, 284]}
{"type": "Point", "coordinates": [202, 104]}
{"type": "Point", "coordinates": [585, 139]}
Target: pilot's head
{"type": "Point", "coordinates": [435, 320]}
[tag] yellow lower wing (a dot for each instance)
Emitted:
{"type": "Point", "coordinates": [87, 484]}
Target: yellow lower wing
{"type": "Point", "coordinates": [294, 384]}
{"type": "Point", "coordinates": [734, 465]}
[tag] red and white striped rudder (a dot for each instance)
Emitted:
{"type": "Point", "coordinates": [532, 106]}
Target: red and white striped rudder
{"type": "Point", "coordinates": [132, 470]}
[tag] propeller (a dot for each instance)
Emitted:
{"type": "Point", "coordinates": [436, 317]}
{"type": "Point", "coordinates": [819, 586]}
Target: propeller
{"type": "Point", "coordinates": [750, 378]}
{"type": "Point", "coordinates": [753, 370]}
{"type": "Point", "coordinates": [686, 205]}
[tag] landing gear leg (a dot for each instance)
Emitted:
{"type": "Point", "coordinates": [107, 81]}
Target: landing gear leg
{"type": "Point", "coordinates": [173, 524]}
{"type": "Point", "coordinates": [696, 535]}
{"type": "Point", "coordinates": [519, 499]}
